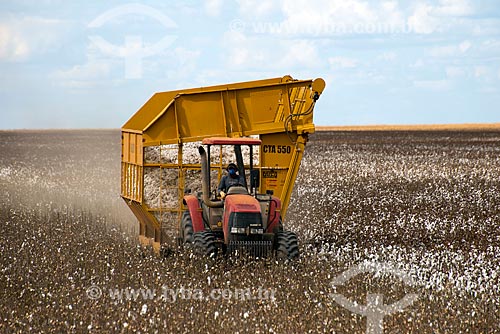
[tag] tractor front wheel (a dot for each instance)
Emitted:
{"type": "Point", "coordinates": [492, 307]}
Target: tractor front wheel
{"type": "Point", "coordinates": [187, 228]}
{"type": "Point", "coordinates": [287, 245]}
{"type": "Point", "coordinates": [204, 243]}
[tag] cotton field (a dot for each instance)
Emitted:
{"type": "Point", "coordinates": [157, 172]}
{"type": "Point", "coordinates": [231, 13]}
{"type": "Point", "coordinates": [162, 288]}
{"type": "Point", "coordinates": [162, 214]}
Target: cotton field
{"type": "Point", "coordinates": [424, 204]}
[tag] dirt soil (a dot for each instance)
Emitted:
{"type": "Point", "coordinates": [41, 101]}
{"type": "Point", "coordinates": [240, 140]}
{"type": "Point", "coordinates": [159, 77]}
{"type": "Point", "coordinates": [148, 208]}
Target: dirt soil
{"type": "Point", "coordinates": [421, 208]}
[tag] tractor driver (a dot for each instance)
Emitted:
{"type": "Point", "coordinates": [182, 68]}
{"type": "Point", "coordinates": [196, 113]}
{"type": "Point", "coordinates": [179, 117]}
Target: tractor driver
{"type": "Point", "coordinates": [231, 179]}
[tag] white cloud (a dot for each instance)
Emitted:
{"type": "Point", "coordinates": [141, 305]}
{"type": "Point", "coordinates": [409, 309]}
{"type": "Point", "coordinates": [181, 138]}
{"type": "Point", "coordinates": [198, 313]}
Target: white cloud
{"type": "Point", "coordinates": [84, 75]}
{"type": "Point", "coordinates": [342, 16]}
{"type": "Point", "coordinates": [89, 70]}
{"type": "Point", "coordinates": [238, 49]}
{"type": "Point", "coordinates": [181, 66]}
{"type": "Point", "coordinates": [257, 9]}
{"type": "Point", "coordinates": [21, 38]}
{"type": "Point", "coordinates": [450, 50]}
{"type": "Point", "coordinates": [213, 7]}
{"type": "Point", "coordinates": [339, 17]}
{"type": "Point", "coordinates": [250, 52]}
{"type": "Point", "coordinates": [390, 5]}
{"type": "Point", "coordinates": [418, 64]}
{"type": "Point", "coordinates": [454, 8]}
{"type": "Point", "coordinates": [433, 85]}
{"type": "Point", "coordinates": [245, 52]}
{"type": "Point", "coordinates": [387, 56]}
{"type": "Point", "coordinates": [342, 62]}
{"type": "Point", "coordinates": [177, 65]}
{"type": "Point", "coordinates": [464, 46]}
{"type": "Point", "coordinates": [481, 71]}
{"type": "Point", "coordinates": [443, 51]}
{"type": "Point", "coordinates": [427, 19]}
{"type": "Point", "coordinates": [422, 21]}
{"type": "Point", "coordinates": [454, 72]}
{"type": "Point", "coordinates": [371, 76]}
{"type": "Point", "coordinates": [12, 45]}
{"type": "Point", "coordinates": [347, 11]}
{"type": "Point", "coordinates": [491, 45]}
{"type": "Point", "coordinates": [489, 90]}
{"type": "Point", "coordinates": [301, 54]}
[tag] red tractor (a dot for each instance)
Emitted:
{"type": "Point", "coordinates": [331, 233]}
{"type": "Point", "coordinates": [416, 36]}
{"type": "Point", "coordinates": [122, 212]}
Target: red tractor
{"type": "Point", "coordinates": [244, 221]}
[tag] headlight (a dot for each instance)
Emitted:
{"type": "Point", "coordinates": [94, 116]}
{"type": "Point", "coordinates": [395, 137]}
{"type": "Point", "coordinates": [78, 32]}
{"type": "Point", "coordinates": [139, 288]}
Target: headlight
{"type": "Point", "coordinates": [247, 230]}
{"type": "Point", "coordinates": [257, 231]}
{"type": "Point", "coordinates": [238, 230]}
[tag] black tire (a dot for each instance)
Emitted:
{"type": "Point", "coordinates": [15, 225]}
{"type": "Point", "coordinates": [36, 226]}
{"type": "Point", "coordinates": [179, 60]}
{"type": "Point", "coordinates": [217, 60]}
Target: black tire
{"type": "Point", "coordinates": [204, 243]}
{"type": "Point", "coordinates": [287, 245]}
{"type": "Point", "coordinates": [187, 228]}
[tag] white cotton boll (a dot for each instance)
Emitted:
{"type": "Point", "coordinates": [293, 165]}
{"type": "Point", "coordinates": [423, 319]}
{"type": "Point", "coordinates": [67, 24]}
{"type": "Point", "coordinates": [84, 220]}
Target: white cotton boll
{"type": "Point", "coordinates": [161, 189]}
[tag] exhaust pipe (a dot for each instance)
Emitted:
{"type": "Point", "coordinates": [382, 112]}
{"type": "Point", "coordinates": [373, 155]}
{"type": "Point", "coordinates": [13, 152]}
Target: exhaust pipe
{"type": "Point", "coordinates": [205, 187]}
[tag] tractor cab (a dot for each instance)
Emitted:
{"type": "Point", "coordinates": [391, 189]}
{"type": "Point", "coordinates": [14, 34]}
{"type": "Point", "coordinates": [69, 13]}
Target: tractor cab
{"type": "Point", "coordinates": [251, 185]}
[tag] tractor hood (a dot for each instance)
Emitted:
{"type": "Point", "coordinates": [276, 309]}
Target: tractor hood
{"type": "Point", "coordinates": [242, 203]}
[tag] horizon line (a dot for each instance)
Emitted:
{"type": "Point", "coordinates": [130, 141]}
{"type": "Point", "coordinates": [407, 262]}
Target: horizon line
{"type": "Point", "coordinates": [367, 127]}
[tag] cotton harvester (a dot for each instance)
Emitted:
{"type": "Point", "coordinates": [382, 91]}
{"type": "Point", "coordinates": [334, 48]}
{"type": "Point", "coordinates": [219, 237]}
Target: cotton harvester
{"type": "Point", "coordinates": [176, 147]}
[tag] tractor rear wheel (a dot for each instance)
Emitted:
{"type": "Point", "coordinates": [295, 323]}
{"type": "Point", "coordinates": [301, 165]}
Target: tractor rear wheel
{"type": "Point", "coordinates": [287, 245]}
{"type": "Point", "coordinates": [187, 228]}
{"type": "Point", "coordinates": [204, 243]}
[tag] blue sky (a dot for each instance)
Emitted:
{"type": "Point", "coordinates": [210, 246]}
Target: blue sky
{"type": "Point", "coordinates": [92, 64]}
